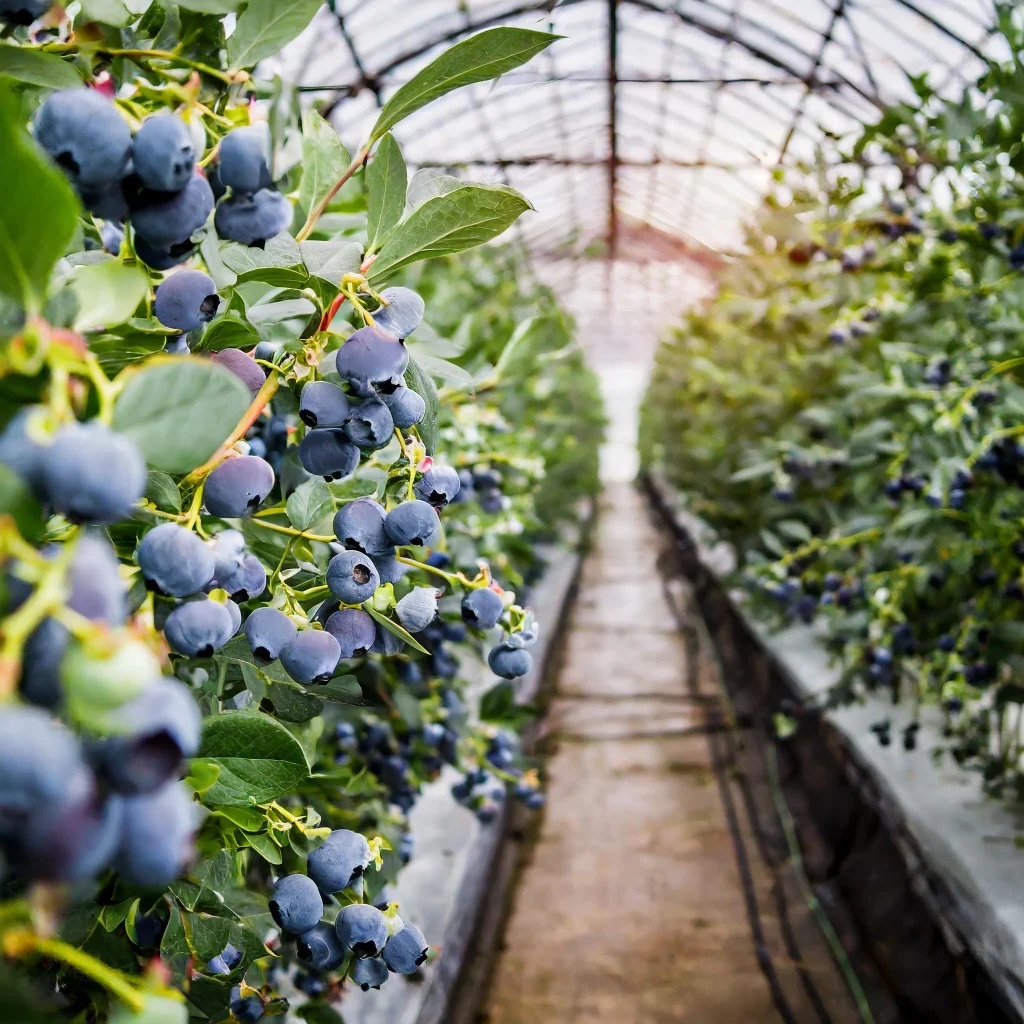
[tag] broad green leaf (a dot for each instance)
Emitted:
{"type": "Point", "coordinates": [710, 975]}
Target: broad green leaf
{"type": "Point", "coordinates": [457, 220]}
{"type": "Point", "coordinates": [264, 846]}
{"type": "Point", "coordinates": [156, 1009]}
{"type": "Point", "coordinates": [265, 26]}
{"type": "Point", "coordinates": [107, 293]}
{"type": "Point", "coordinates": [36, 68]}
{"type": "Point", "coordinates": [479, 58]}
{"type": "Point", "coordinates": [207, 936]}
{"type": "Point", "coordinates": [309, 503]}
{"type": "Point", "coordinates": [429, 182]}
{"type": "Point", "coordinates": [17, 501]}
{"type": "Point", "coordinates": [259, 758]}
{"type": "Point", "coordinates": [38, 214]}
{"type": "Point", "coordinates": [163, 491]}
{"type": "Point", "coordinates": [421, 382]}
{"type": "Point", "coordinates": [324, 159]}
{"type": "Point", "coordinates": [278, 263]}
{"type": "Point", "coordinates": [180, 411]}
{"type": "Point", "coordinates": [386, 182]}
{"type": "Point", "coordinates": [232, 330]}
{"type": "Point", "coordinates": [117, 13]}
{"type": "Point", "coordinates": [330, 261]}
{"type": "Point", "coordinates": [211, 6]}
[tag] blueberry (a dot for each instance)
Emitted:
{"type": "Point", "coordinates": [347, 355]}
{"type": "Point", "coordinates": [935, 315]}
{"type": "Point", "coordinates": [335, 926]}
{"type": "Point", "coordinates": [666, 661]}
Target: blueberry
{"type": "Point", "coordinates": [268, 631]}
{"type": "Point", "coordinates": [235, 614]}
{"type": "Point", "coordinates": [96, 589]}
{"type": "Point", "coordinates": [311, 657]}
{"type": "Point", "coordinates": [491, 501]}
{"type": "Point", "coordinates": [156, 836]}
{"type": "Point", "coordinates": [109, 203]}
{"type": "Point", "coordinates": [198, 628]}
{"type": "Point", "coordinates": [229, 553]}
{"type": "Point", "coordinates": [237, 487]}
{"type": "Point", "coordinates": [296, 904]}
{"type": "Point", "coordinates": [417, 609]}
{"type": "Point", "coordinates": [323, 404]}
{"type": "Point", "coordinates": [405, 951]}
{"type": "Point", "coordinates": [412, 522]}
{"type": "Point", "coordinates": [252, 220]}
{"type": "Point", "coordinates": [339, 861]}
{"type": "Point", "coordinates": [373, 356]}
{"type": "Point", "coordinates": [352, 577]}
{"type": "Point", "coordinates": [389, 568]}
{"type": "Point", "coordinates": [85, 135]}
{"type": "Point", "coordinates": [40, 681]}
{"type": "Point", "coordinates": [163, 258]}
{"type": "Point", "coordinates": [246, 1009]}
{"type": "Point", "coordinates": [354, 630]}
{"type": "Point", "coordinates": [23, 12]}
{"type": "Point", "coordinates": [154, 735]}
{"type": "Point", "coordinates": [369, 973]}
{"type": "Point", "coordinates": [92, 474]}
{"type": "Point", "coordinates": [174, 561]}
{"type": "Point", "coordinates": [370, 425]}
{"type": "Point", "coordinates": [245, 159]}
{"type": "Point", "coordinates": [406, 406]}
{"type": "Point", "coordinates": [249, 580]}
{"type": "Point", "coordinates": [359, 525]}
{"type": "Point", "coordinates": [402, 314]}
{"type": "Point", "coordinates": [165, 220]}
{"type": "Point", "coordinates": [244, 367]}
{"type": "Point", "coordinates": [438, 486]}
{"type": "Point", "coordinates": [443, 663]}
{"type": "Point", "coordinates": [186, 300]}
{"type": "Point", "coordinates": [150, 928]}
{"type": "Point", "coordinates": [23, 447]}
{"type": "Point", "coordinates": [362, 929]}
{"type": "Point", "coordinates": [312, 985]}
{"type": "Point", "coordinates": [225, 962]}
{"type": "Point", "coordinates": [319, 949]}
{"type": "Point", "coordinates": [328, 453]}
{"type": "Point", "coordinates": [387, 643]}
{"type": "Point", "coordinates": [345, 736]}
{"type": "Point", "coordinates": [508, 660]}
{"type": "Point", "coordinates": [163, 154]}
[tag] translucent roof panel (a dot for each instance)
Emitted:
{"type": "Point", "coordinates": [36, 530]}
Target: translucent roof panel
{"type": "Point", "coordinates": [651, 129]}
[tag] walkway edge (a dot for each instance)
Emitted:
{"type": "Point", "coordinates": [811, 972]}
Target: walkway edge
{"type": "Point", "coordinates": [956, 847]}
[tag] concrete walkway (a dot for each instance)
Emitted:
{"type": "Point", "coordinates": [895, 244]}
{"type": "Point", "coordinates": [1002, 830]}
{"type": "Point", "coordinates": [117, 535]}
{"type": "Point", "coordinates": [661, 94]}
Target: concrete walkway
{"type": "Point", "coordinates": [632, 907]}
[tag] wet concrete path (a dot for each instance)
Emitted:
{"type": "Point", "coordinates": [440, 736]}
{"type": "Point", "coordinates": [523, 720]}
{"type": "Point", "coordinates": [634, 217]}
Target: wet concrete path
{"type": "Point", "coordinates": [641, 901]}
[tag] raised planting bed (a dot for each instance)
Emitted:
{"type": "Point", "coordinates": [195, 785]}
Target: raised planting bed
{"type": "Point", "coordinates": [928, 867]}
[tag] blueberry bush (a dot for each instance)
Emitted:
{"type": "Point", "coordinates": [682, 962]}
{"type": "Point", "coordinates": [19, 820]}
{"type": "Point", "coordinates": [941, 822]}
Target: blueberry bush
{"type": "Point", "coordinates": [275, 464]}
{"type": "Point", "coordinates": [874, 482]}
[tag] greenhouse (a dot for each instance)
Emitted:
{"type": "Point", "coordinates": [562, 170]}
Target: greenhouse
{"type": "Point", "coordinates": [511, 511]}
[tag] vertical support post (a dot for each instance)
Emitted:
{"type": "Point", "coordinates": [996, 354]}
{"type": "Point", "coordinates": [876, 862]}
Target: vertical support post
{"type": "Point", "coordinates": [613, 130]}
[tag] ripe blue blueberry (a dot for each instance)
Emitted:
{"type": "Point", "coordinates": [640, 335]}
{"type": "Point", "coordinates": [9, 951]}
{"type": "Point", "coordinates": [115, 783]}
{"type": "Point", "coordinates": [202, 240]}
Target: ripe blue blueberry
{"type": "Point", "coordinates": [243, 366]}
{"type": "Point", "coordinates": [22, 446]}
{"type": "Point", "coordinates": [354, 630]}
{"type": "Point", "coordinates": [403, 312]}
{"type": "Point", "coordinates": [509, 660]}
{"type": "Point", "coordinates": [186, 300]}
{"type": "Point", "coordinates": [252, 220]}
{"type": "Point", "coordinates": [387, 643]}
{"type": "Point", "coordinates": [235, 613]}
{"type": "Point", "coordinates": [198, 628]}
{"type": "Point", "coordinates": [412, 522]}
{"type": "Point", "coordinates": [352, 577]}
{"type": "Point", "coordinates": [229, 552]}
{"type": "Point", "coordinates": [359, 525]}
{"type": "Point", "coordinates": [268, 631]}
{"type": "Point", "coordinates": [438, 486]}
{"type": "Point", "coordinates": [320, 949]}
{"type": "Point", "coordinates": [163, 154]}
{"type": "Point", "coordinates": [328, 453]}
{"type": "Point", "coordinates": [339, 861]}
{"type": "Point", "coordinates": [246, 1009]}
{"type": "Point", "coordinates": [245, 159]}
{"type": "Point", "coordinates": [156, 837]}
{"type": "Point", "coordinates": [92, 474]}
{"type": "Point", "coordinates": [323, 404]}
{"type": "Point", "coordinates": [405, 951]}
{"type": "Point", "coordinates": [237, 487]}
{"type": "Point", "coordinates": [362, 929]}
{"type": "Point", "coordinates": [417, 609]}
{"type": "Point", "coordinates": [370, 973]}
{"type": "Point", "coordinates": [163, 258]}
{"type": "Point", "coordinates": [372, 356]}
{"type": "Point", "coordinates": [482, 608]}
{"type": "Point", "coordinates": [389, 568]}
{"type": "Point", "coordinates": [296, 904]}
{"type": "Point", "coordinates": [491, 501]}
{"type": "Point", "coordinates": [249, 580]}
{"type": "Point", "coordinates": [164, 220]}
{"type": "Point", "coordinates": [23, 12]}
{"type": "Point", "coordinates": [226, 961]}
{"type": "Point", "coordinates": [311, 657]}
{"type": "Point", "coordinates": [85, 135]}
{"type": "Point", "coordinates": [370, 425]}
{"type": "Point", "coordinates": [174, 561]}
{"type": "Point", "coordinates": [407, 407]}
{"type": "Point", "coordinates": [110, 204]}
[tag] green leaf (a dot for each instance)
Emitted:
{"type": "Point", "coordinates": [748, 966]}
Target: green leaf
{"type": "Point", "coordinates": [211, 6]}
{"type": "Point", "coordinates": [259, 758]}
{"type": "Point", "coordinates": [265, 26]}
{"type": "Point", "coordinates": [278, 263]}
{"type": "Point", "coordinates": [477, 59]}
{"type": "Point", "coordinates": [246, 818]}
{"type": "Point", "coordinates": [117, 13]}
{"type": "Point", "coordinates": [180, 411]}
{"type": "Point", "coordinates": [231, 330]}
{"type": "Point", "coordinates": [457, 220]}
{"type": "Point", "coordinates": [386, 182]}
{"type": "Point", "coordinates": [264, 846]}
{"type": "Point", "coordinates": [163, 491]}
{"type": "Point", "coordinates": [393, 627]}
{"type": "Point", "coordinates": [107, 293]}
{"type": "Point", "coordinates": [330, 261]}
{"type": "Point", "coordinates": [324, 159]}
{"type": "Point", "coordinates": [38, 214]}
{"type": "Point", "coordinates": [17, 501]}
{"type": "Point", "coordinates": [156, 1009]}
{"type": "Point", "coordinates": [36, 68]}
{"type": "Point", "coordinates": [423, 385]}
{"type": "Point", "coordinates": [309, 503]}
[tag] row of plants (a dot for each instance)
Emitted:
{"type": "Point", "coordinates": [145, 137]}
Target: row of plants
{"type": "Point", "coordinates": [276, 470]}
{"type": "Point", "coordinates": [847, 411]}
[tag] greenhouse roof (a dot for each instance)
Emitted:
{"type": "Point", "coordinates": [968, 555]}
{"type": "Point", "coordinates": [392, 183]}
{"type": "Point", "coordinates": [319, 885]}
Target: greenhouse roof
{"type": "Point", "coordinates": [651, 130]}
